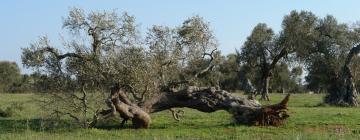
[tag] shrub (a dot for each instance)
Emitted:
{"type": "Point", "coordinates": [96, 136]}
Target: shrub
{"type": "Point", "coordinates": [11, 110]}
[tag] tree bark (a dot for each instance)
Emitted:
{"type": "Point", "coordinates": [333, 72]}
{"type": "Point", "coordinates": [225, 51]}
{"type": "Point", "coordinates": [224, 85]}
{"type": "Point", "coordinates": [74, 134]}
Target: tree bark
{"type": "Point", "coordinates": [265, 80]}
{"type": "Point", "coordinates": [245, 111]}
{"type": "Point", "coordinates": [266, 73]}
{"type": "Point", "coordinates": [118, 102]}
{"type": "Point", "coordinates": [343, 91]}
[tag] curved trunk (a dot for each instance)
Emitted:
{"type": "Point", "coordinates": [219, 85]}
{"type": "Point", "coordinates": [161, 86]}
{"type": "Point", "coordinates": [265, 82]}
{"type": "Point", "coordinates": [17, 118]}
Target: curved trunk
{"type": "Point", "coordinates": [204, 99]}
{"type": "Point", "coordinates": [343, 91]}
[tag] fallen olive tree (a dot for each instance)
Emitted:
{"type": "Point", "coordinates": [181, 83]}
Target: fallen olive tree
{"type": "Point", "coordinates": [170, 68]}
{"type": "Point", "coordinates": [343, 91]}
{"type": "Point", "coordinates": [204, 99]}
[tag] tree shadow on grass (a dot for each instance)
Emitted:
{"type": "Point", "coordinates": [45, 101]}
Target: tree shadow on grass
{"type": "Point", "coordinates": [39, 125]}
{"type": "Point", "coordinates": [115, 125]}
{"type": "Point", "coordinates": [110, 124]}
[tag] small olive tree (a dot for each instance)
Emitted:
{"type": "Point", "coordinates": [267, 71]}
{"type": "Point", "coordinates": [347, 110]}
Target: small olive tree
{"type": "Point", "coordinates": [105, 47]}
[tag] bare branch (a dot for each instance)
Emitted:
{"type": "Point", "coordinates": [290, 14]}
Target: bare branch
{"type": "Point", "coordinates": [61, 56]}
{"type": "Point", "coordinates": [134, 93]}
{"type": "Point", "coordinates": [203, 71]}
{"type": "Point", "coordinates": [210, 65]}
{"type": "Point", "coordinates": [276, 59]}
{"type": "Point", "coordinates": [354, 51]}
{"type": "Point", "coordinates": [95, 118]}
{"type": "Point", "coordinates": [69, 114]}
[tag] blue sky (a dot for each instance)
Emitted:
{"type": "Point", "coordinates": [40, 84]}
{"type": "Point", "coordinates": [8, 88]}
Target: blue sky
{"type": "Point", "coordinates": [23, 21]}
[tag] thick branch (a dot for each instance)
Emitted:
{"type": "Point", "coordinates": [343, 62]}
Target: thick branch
{"type": "Point", "coordinates": [276, 59]}
{"type": "Point", "coordinates": [209, 100]}
{"type": "Point", "coordinates": [210, 65]}
{"type": "Point", "coordinates": [134, 92]}
{"type": "Point", "coordinates": [201, 72]}
{"type": "Point", "coordinates": [354, 51]}
{"type": "Point", "coordinates": [119, 102]}
{"type": "Point", "coordinates": [245, 111]}
{"type": "Point", "coordinates": [69, 114]}
{"type": "Point", "coordinates": [61, 56]}
{"type": "Point", "coordinates": [176, 113]}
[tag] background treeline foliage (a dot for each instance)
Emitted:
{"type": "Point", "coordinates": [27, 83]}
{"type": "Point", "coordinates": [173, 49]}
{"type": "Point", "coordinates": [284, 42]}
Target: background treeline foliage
{"type": "Point", "coordinates": [227, 74]}
{"type": "Point", "coordinates": [12, 81]}
{"type": "Point", "coordinates": [314, 71]}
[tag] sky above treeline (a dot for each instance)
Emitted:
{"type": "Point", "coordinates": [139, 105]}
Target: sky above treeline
{"type": "Point", "coordinates": [24, 21]}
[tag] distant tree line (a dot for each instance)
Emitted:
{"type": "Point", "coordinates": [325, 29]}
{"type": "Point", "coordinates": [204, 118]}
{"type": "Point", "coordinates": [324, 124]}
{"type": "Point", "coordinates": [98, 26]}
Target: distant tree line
{"type": "Point", "coordinates": [12, 80]}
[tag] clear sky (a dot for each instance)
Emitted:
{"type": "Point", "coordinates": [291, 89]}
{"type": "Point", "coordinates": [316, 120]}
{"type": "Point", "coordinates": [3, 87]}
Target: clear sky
{"type": "Point", "coordinates": [23, 21]}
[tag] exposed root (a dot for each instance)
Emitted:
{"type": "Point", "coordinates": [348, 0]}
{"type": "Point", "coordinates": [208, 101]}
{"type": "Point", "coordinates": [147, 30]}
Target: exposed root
{"type": "Point", "coordinates": [245, 111]}
{"type": "Point", "coordinates": [274, 115]}
{"type": "Point", "coordinates": [176, 113]}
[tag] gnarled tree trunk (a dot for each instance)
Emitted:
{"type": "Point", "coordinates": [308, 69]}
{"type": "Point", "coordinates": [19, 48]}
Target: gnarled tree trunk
{"type": "Point", "coordinates": [265, 87]}
{"type": "Point", "coordinates": [343, 91]}
{"type": "Point", "coordinates": [267, 73]}
{"type": "Point", "coordinates": [204, 99]}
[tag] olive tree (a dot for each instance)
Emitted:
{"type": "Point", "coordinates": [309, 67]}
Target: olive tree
{"type": "Point", "coordinates": [137, 76]}
{"type": "Point", "coordinates": [263, 49]}
{"type": "Point", "coordinates": [343, 91]}
{"type": "Point", "coordinates": [343, 50]}
{"type": "Point", "coordinates": [329, 64]}
{"type": "Point", "coordinates": [105, 49]}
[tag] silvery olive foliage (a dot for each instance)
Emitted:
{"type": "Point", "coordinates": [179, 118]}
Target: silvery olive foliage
{"type": "Point", "coordinates": [104, 48]}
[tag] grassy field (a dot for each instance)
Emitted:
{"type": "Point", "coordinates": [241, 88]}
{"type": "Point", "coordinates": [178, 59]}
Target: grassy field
{"type": "Point", "coordinates": [307, 120]}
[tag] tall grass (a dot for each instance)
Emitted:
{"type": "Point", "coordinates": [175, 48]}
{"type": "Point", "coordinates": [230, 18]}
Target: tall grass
{"type": "Point", "coordinates": [307, 121]}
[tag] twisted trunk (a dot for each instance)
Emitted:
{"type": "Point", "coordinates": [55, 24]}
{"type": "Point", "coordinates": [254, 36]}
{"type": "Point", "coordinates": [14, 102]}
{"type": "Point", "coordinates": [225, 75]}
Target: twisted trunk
{"type": "Point", "coordinates": [265, 86]}
{"type": "Point", "coordinates": [266, 73]}
{"type": "Point", "coordinates": [245, 111]}
{"type": "Point", "coordinates": [343, 91]}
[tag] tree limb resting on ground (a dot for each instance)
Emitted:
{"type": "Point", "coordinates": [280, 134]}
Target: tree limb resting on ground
{"type": "Point", "coordinates": [203, 99]}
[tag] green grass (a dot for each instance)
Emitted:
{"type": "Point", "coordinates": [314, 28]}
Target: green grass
{"type": "Point", "coordinates": [307, 120]}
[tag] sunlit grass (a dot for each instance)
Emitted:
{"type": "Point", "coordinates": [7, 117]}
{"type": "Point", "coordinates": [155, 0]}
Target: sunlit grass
{"type": "Point", "coordinates": [307, 120]}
